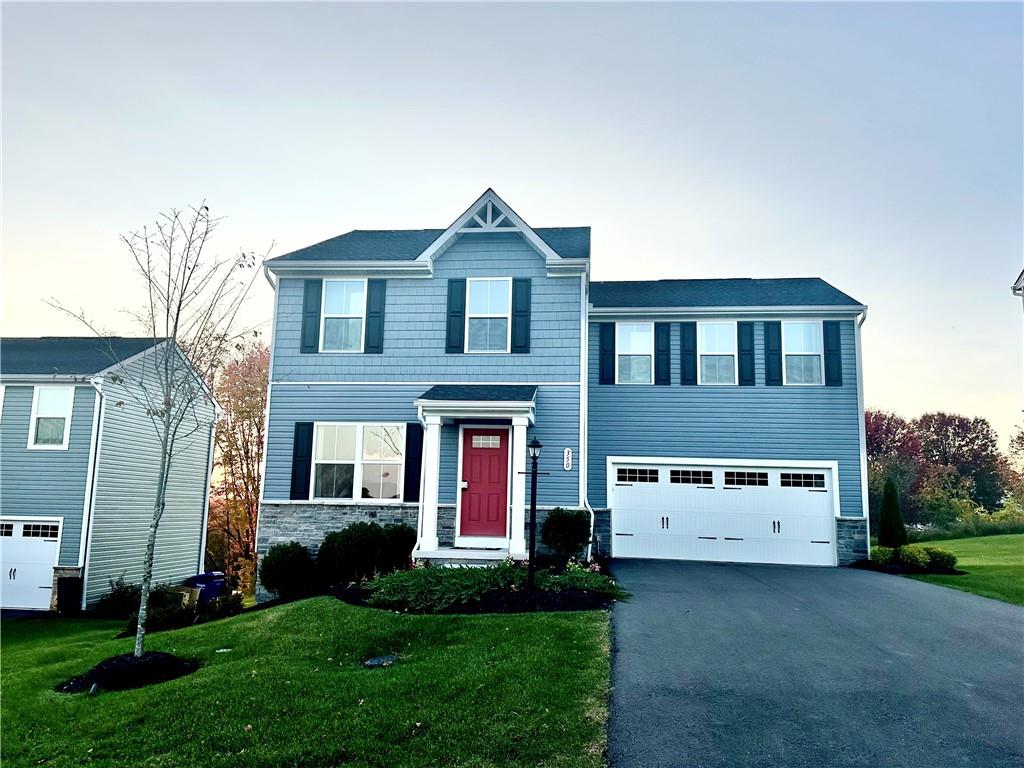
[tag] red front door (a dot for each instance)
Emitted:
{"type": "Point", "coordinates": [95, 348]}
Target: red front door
{"type": "Point", "coordinates": [485, 482]}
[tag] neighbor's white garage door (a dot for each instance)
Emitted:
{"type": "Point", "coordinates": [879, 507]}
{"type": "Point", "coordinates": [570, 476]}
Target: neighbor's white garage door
{"type": "Point", "coordinates": [28, 553]}
{"type": "Point", "coordinates": [751, 513]}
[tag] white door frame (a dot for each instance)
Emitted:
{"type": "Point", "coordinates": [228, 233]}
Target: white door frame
{"type": "Point", "coordinates": [493, 542]}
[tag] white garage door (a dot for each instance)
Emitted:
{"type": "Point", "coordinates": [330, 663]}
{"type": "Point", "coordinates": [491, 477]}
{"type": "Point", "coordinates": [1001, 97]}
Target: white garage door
{"type": "Point", "coordinates": [730, 513]}
{"type": "Point", "coordinates": [28, 552]}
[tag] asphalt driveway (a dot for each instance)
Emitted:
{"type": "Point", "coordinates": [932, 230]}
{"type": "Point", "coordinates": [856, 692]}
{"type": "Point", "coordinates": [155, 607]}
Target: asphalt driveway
{"type": "Point", "coordinates": [748, 665]}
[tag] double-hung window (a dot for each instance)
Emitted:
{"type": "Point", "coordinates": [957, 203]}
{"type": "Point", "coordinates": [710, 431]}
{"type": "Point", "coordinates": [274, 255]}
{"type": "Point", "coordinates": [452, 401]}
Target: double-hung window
{"type": "Point", "coordinates": [51, 418]}
{"type": "Point", "coordinates": [488, 310]}
{"type": "Point", "coordinates": [358, 461]}
{"type": "Point", "coordinates": [343, 319]}
{"type": "Point", "coordinates": [803, 360]}
{"type": "Point", "coordinates": [634, 353]}
{"type": "Point", "coordinates": [716, 353]}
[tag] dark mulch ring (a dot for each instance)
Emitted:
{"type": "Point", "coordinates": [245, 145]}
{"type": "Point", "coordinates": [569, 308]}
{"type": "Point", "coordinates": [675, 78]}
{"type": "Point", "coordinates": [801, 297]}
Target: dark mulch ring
{"type": "Point", "coordinates": [901, 569]}
{"type": "Point", "coordinates": [501, 601]}
{"type": "Point", "coordinates": [119, 673]}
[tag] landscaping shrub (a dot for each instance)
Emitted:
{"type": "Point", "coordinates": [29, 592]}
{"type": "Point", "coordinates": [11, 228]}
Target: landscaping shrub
{"type": "Point", "coordinates": [940, 559]}
{"type": "Point", "coordinates": [121, 601]}
{"type": "Point", "coordinates": [882, 555]}
{"type": "Point", "coordinates": [288, 570]}
{"type": "Point", "coordinates": [565, 532]}
{"type": "Point", "coordinates": [221, 607]}
{"type": "Point", "coordinates": [913, 557]}
{"type": "Point", "coordinates": [891, 531]}
{"type": "Point", "coordinates": [976, 522]}
{"type": "Point", "coordinates": [399, 541]}
{"type": "Point", "coordinates": [453, 590]}
{"type": "Point", "coordinates": [364, 550]}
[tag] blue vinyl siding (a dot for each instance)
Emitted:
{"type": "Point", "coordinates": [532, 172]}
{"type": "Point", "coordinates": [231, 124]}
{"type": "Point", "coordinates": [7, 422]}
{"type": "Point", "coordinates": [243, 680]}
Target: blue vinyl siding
{"type": "Point", "coordinates": [756, 422]}
{"type": "Point", "coordinates": [557, 427]}
{"type": "Point", "coordinates": [48, 483]}
{"type": "Point", "coordinates": [414, 324]}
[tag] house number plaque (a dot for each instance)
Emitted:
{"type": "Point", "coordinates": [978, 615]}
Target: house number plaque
{"type": "Point", "coordinates": [567, 459]}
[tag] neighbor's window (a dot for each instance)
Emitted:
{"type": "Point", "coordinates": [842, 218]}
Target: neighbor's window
{"type": "Point", "coordinates": [716, 350]}
{"type": "Point", "coordinates": [367, 457]}
{"type": "Point", "coordinates": [801, 352]}
{"type": "Point", "coordinates": [634, 350]}
{"type": "Point", "coordinates": [343, 317]}
{"type": "Point", "coordinates": [51, 417]}
{"type": "Point", "coordinates": [488, 306]}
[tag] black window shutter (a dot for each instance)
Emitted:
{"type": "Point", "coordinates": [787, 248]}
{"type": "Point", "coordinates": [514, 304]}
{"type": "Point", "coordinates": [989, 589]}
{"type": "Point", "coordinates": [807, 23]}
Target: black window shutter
{"type": "Point", "coordinates": [833, 354]}
{"type": "Point", "coordinates": [413, 461]}
{"type": "Point", "coordinates": [688, 352]}
{"type": "Point", "coordinates": [311, 316]}
{"type": "Point", "coordinates": [745, 344]}
{"type": "Point", "coordinates": [521, 315]}
{"type": "Point", "coordinates": [375, 299]}
{"type": "Point", "coordinates": [773, 353]}
{"type": "Point", "coordinates": [606, 358]}
{"type": "Point", "coordinates": [662, 353]}
{"type": "Point", "coordinates": [455, 339]}
{"type": "Point", "coordinates": [302, 458]}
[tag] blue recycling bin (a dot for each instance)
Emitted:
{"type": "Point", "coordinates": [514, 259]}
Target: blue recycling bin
{"type": "Point", "coordinates": [210, 585]}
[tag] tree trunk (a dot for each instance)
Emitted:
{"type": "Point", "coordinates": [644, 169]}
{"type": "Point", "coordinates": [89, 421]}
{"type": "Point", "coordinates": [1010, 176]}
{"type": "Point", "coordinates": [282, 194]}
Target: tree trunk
{"type": "Point", "coordinates": [147, 565]}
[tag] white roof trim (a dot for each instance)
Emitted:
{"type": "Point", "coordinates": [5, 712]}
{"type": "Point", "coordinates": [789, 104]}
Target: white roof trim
{"type": "Point", "coordinates": [1018, 287]}
{"type": "Point", "coordinates": [469, 409]}
{"type": "Point", "coordinates": [833, 309]}
{"type": "Point", "coordinates": [361, 267]}
{"type": "Point", "coordinates": [441, 244]}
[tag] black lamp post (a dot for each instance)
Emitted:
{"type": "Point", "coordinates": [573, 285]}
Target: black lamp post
{"type": "Point", "coordinates": [534, 447]}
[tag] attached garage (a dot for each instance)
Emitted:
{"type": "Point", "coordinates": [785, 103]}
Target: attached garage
{"type": "Point", "coordinates": [28, 552]}
{"type": "Point", "coordinates": [764, 511]}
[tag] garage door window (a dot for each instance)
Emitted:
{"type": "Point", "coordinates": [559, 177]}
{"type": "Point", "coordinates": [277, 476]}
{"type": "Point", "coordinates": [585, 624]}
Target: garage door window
{"type": "Point", "coordinates": [39, 531]}
{"type": "Point", "coordinates": [636, 475]}
{"type": "Point", "coordinates": [51, 417]}
{"type": "Point", "coordinates": [802, 480]}
{"type": "Point", "coordinates": [716, 350]}
{"type": "Point", "coordinates": [690, 476]}
{"type": "Point", "coordinates": [746, 478]}
{"type": "Point", "coordinates": [6, 529]}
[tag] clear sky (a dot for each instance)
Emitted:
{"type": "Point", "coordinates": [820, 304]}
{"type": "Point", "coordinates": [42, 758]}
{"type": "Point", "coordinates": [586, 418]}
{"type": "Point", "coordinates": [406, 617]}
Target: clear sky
{"type": "Point", "coordinates": [878, 146]}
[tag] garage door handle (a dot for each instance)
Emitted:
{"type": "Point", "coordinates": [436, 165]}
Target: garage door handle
{"type": "Point", "coordinates": [12, 574]}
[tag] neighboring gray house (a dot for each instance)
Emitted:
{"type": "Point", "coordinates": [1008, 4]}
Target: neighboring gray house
{"type": "Point", "coordinates": [78, 465]}
{"type": "Point", "coordinates": [694, 419]}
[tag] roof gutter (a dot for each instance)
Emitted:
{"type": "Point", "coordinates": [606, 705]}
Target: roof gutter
{"type": "Point", "coordinates": [827, 309]}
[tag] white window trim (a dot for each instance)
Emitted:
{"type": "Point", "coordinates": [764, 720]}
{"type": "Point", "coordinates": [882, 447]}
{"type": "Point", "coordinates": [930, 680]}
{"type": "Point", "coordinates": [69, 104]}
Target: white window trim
{"type": "Point", "coordinates": [324, 316]}
{"type": "Point", "coordinates": [67, 419]}
{"type": "Point", "coordinates": [507, 315]}
{"type": "Point", "coordinates": [357, 472]}
{"type": "Point", "coordinates": [618, 353]}
{"type": "Point", "coordinates": [821, 353]}
{"type": "Point", "coordinates": [735, 354]}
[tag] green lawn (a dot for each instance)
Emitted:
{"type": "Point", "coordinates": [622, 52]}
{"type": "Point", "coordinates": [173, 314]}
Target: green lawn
{"type": "Point", "coordinates": [994, 565]}
{"type": "Point", "coordinates": [495, 690]}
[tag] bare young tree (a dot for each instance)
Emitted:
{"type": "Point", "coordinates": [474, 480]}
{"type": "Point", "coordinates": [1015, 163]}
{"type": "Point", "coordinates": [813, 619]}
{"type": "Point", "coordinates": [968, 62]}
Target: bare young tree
{"type": "Point", "coordinates": [191, 313]}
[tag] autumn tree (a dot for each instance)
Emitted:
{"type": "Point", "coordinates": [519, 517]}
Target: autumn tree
{"type": "Point", "coordinates": [971, 447]}
{"type": "Point", "coordinates": [894, 452]}
{"type": "Point", "coordinates": [241, 390]}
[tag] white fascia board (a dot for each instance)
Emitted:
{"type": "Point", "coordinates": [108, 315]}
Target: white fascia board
{"type": "Point", "coordinates": [568, 267]}
{"type": "Point", "coordinates": [363, 268]}
{"type": "Point", "coordinates": [446, 238]}
{"type": "Point", "coordinates": [850, 310]}
{"type": "Point", "coordinates": [17, 379]}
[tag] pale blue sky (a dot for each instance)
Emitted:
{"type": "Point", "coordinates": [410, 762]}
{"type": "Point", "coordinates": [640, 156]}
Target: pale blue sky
{"type": "Point", "coordinates": [878, 146]}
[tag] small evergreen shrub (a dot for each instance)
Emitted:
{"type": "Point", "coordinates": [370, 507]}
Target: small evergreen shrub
{"type": "Point", "coordinates": [940, 559]}
{"type": "Point", "coordinates": [913, 557]}
{"type": "Point", "coordinates": [565, 532]}
{"type": "Point", "coordinates": [221, 607]}
{"type": "Point", "coordinates": [891, 530]}
{"type": "Point", "coordinates": [882, 555]}
{"type": "Point", "coordinates": [362, 551]}
{"type": "Point", "coordinates": [399, 541]}
{"type": "Point", "coordinates": [121, 601]}
{"type": "Point", "coordinates": [288, 570]}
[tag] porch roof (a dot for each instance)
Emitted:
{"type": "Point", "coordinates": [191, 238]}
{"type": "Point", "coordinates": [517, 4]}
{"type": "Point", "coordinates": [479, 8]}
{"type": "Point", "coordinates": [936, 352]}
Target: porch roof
{"type": "Point", "coordinates": [480, 393]}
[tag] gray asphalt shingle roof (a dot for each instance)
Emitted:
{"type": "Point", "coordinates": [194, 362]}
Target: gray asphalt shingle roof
{"type": "Point", "coordinates": [67, 355]}
{"type": "Point", "coordinates": [512, 393]}
{"type": "Point", "coordinates": [407, 244]}
{"type": "Point", "coordinates": [724, 292]}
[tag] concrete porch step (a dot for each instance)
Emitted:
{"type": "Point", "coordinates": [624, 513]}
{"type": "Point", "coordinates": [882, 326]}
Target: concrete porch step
{"type": "Point", "coordinates": [460, 553]}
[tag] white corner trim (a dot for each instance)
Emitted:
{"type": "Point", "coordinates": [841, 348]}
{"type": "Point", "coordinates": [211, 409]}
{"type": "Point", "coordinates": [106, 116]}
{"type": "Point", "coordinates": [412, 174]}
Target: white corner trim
{"type": "Point", "coordinates": [862, 430]}
{"type": "Point", "coordinates": [206, 498]}
{"type": "Point", "coordinates": [90, 472]}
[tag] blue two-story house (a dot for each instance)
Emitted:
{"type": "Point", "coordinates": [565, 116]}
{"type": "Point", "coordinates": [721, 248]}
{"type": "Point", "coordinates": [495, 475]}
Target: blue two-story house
{"type": "Point", "coordinates": [693, 419]}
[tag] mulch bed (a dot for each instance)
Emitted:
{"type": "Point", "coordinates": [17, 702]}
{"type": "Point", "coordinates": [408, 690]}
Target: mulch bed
{"type": "Point", "coordinates": [500, 601]}
{"type": "Point", "coordinates": [119, 673]}
{"type": "Point", "coordinates": [900, 569]}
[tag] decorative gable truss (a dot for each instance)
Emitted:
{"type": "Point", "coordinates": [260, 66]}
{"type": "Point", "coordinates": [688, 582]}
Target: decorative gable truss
{"type": "Point", "coordinates": [488, 214]}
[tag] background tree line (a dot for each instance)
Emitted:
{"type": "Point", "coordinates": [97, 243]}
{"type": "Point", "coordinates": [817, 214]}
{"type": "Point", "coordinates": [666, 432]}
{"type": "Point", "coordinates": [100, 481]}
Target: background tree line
{"type": "Point", "coordinates": [947, 468]}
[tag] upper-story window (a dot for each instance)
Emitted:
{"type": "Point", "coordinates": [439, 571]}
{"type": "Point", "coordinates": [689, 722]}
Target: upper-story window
{"type": "Point", "coordinates": [51, 417]}
{"type": "Point", "coordinates": [634, 358]}
{"type": "Point", "coordinates": [343, 316]}
{"type": "Point", "coordinates": [716, 353]}
{"type": "Point", "coordinates": [488, 310]}
{"type": "Point", "coordinates": [358, 461]}
{"type": "Point", "coordinates": [803, 361]}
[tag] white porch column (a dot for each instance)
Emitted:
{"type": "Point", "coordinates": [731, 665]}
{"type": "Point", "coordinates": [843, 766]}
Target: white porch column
{"type": "Point", "coordinates": [431, 477]}
{"type": "Point", "coordinates": [517, 539]}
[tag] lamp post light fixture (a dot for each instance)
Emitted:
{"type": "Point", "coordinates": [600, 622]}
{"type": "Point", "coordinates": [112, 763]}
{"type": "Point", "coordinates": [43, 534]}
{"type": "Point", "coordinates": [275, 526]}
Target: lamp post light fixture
{"type": "Point", "coordinates": [534, 447]}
